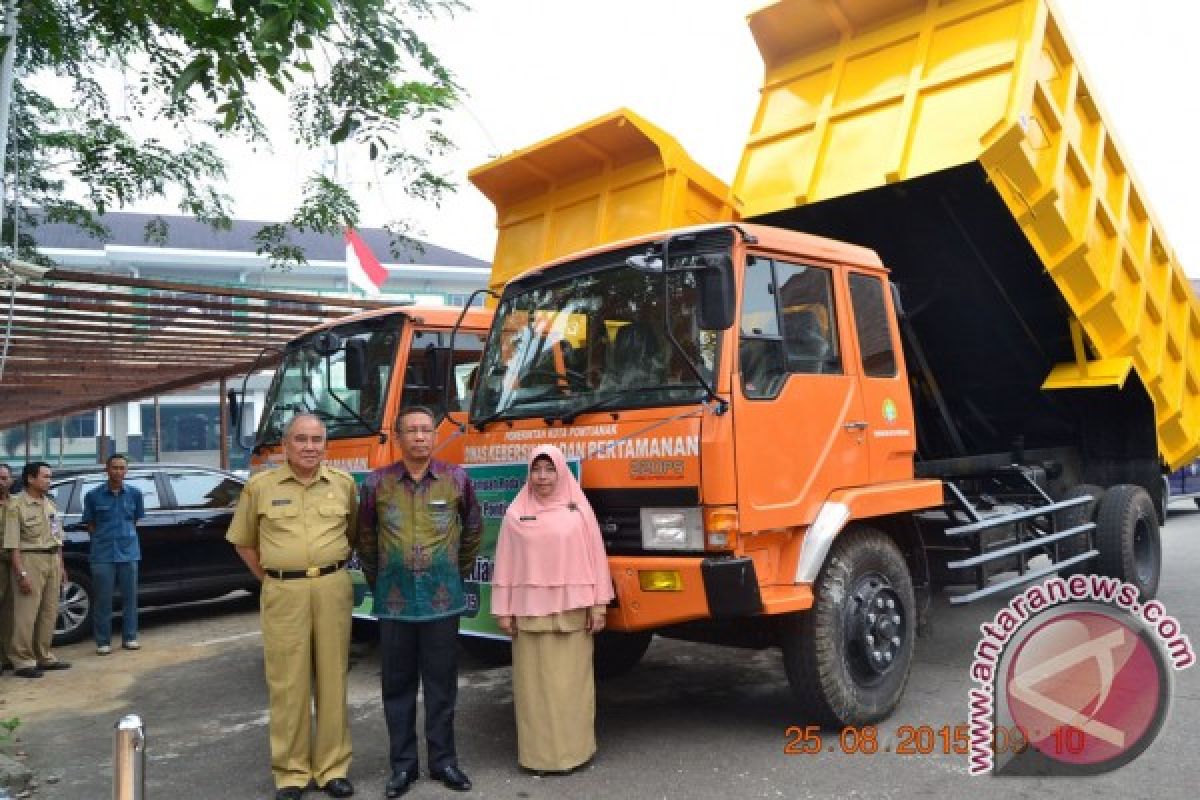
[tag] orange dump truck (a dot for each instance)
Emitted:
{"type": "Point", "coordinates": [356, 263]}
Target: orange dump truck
{"type": "Point", "coordinates": [792, 440]}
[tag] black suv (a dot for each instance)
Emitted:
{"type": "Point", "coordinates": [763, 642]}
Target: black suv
{"type": "Point", "coordinates": [184, 552]}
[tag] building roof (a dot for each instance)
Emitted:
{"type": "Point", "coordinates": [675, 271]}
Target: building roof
{"type": "Point", "coordinates": [187, 233]}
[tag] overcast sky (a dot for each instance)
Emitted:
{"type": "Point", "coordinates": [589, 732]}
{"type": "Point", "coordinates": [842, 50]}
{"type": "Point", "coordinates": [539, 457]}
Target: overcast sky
{"type": "Point", "coordinates": [533, 68]}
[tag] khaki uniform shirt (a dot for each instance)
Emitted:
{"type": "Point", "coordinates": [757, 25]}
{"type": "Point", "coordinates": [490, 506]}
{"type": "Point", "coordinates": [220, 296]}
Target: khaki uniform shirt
{"type": "Point", "coordinates": [31, 524]}
{"type": "Point", "coordinates": [294, 526]}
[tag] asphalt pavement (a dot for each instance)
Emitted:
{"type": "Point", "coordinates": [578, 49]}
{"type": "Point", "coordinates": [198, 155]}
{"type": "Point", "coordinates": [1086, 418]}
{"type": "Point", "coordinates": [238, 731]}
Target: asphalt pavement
{"type": "Point", "coordinates": [691, 721]}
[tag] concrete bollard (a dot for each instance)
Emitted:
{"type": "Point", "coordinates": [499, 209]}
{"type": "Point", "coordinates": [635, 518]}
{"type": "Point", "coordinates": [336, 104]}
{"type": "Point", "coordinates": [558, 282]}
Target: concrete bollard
{"type": "Point", "coordinates": [129, 759]}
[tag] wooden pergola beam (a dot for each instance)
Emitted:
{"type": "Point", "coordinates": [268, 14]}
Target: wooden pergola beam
{"type": "Point", "coordinates": [274, 308]}
{"type": "Point", "coordinates": [75, 276]}
{"type": "Point", "coordinates": [107, 328]}
{"type": "Point", "coordinates": [77, 309]}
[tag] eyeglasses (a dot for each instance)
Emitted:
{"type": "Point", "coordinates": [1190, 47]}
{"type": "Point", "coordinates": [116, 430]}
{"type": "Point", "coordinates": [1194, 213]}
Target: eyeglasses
{"type": "Point", "coordinates": [426, 431]}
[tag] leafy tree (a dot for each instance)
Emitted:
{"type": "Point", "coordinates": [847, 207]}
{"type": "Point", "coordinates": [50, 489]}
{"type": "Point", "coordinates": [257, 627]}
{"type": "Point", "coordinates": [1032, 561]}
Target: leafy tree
{"type": "Point", "coordinates": [354, 73]}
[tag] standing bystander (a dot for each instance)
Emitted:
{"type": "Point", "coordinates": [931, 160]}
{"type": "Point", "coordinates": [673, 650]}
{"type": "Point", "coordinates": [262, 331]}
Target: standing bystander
{"type": "Point", "coordinates": [33, 539]}
{"type": "Point", "coordinates": [292, 527]}
{"type": "Point", "coordinates": [111, 511]}
{"type": "Point", "coordinates": [419, 532]}
{"type": "Point", "coordinates": [6, 580]}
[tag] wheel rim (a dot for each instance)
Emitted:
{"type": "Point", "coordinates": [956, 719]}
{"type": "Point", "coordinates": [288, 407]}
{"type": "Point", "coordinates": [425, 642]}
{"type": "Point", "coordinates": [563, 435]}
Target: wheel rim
{"type": "Point", "coordinates": [73, 608]}
{"type": "Point", "coordinates": [875, 627]}
{"type": "Point", "coordinates": [1145, 552]}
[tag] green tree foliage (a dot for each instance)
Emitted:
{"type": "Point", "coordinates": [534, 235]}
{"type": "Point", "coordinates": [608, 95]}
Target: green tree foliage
{"type": "Point", "coordinates": [354, 72]}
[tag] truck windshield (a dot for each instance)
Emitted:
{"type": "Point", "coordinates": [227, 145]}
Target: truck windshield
{"type": "Point", "coordinates": [309, 382]}
{"type": "Point", "coordinates": [593, 340]}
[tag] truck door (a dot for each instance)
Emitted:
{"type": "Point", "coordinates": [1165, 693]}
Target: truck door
{"type": "Point", "coordinates": [798, 415]}
{"type": "Point", "coordinates": [891, 432]}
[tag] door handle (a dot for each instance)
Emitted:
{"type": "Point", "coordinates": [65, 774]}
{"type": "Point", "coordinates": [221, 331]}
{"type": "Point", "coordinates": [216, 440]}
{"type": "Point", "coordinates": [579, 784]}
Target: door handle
{"type": "Point", "coordinates": [855, 426]}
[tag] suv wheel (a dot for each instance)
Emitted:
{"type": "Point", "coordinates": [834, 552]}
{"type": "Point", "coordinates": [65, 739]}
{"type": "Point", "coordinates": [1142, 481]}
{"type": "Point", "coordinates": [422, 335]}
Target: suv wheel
{"type": "Point", "coordinates": [75, 606]}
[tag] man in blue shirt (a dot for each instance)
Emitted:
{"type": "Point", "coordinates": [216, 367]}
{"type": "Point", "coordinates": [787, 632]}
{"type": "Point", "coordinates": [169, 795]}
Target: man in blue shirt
{"type": "Point", "coordinates": [111, 512]}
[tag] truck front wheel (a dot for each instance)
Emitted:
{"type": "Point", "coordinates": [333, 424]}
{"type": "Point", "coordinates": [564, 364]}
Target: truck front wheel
{"type": "Point", "coordinates": [1128, 538]}
{"type": "Point", "coordinates": [847, 659]}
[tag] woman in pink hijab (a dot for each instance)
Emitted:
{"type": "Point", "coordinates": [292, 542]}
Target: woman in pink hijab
{"type": "Point", "coordinates": [550, 589]}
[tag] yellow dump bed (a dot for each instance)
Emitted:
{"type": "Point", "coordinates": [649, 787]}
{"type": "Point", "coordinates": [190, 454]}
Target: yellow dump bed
{"type": "Point", "coordinates": [612, 178]}
{"type": "Point", "coordinates": [865, 96]}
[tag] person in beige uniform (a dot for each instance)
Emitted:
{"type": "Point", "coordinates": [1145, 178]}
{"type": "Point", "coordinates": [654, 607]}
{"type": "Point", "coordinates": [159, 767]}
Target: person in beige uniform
{"type": "Point", "coordinates": [33, 539]}
{"type": "Point", "coordinates": [6, 590]}
{"type": "Point", "coordinates": [292, 529]}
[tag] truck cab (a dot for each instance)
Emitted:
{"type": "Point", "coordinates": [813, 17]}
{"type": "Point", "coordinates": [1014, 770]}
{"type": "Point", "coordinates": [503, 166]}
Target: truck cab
{"type": "Point", "coordinates": [357, 373]}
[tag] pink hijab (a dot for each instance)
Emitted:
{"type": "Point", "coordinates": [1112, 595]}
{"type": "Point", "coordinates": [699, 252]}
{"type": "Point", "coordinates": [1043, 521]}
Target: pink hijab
{"type": "Point", "coordinates": [550, 556]}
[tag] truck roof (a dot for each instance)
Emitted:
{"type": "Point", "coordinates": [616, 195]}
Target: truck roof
{"type": "Point", "coordinates": [769, 238]}
{"type": "Point", "coordinates": [441, 316]}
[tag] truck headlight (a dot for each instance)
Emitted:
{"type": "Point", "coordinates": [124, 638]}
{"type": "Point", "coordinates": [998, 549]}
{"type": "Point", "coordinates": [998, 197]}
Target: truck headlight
{"type": "Point", "coordinates": [672, 529]}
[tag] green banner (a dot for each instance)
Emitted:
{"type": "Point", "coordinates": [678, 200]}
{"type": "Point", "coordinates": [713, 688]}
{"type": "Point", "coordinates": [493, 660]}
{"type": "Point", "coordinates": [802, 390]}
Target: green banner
{"type": "Point", "coordinates": [495, 486]}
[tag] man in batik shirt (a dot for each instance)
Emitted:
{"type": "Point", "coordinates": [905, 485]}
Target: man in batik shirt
{"type": "Point", "coordinates": [419, 532]}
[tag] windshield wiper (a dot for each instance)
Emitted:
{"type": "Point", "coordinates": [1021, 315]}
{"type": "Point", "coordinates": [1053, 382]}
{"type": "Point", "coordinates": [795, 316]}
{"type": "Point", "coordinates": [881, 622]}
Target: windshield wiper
{"type": "Point", "coordinates": [490, 418]}
{"type": "Point", "coordinates": [568, 416]}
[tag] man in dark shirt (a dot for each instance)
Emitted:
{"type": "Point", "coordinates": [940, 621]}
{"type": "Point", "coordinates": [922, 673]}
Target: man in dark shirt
{"type": "Point", "coordinates": [111, 512]}
{"type": "Point", "coordinates": [419, 532]}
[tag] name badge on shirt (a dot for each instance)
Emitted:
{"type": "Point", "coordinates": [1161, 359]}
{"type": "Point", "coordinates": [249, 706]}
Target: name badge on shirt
{"type": "Point", "coordinates": [528, 519]}
{"type": "Point", "coordinates": [285, 501]}
{"type": "Point", "coordinates": [438, 505]}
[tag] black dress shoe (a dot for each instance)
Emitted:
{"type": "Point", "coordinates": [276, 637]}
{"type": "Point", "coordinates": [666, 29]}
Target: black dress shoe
{"type": "Point", "coordinates": [54, 665]}
{"type": "Point", "coordinates": [289, 793]}
{"type": "Point", "coordinates": [453, 777]}
{"type": "Point", "coordinates": [400, 782]}
{"type": "Point", "coordinates": [339, 787]}
{"type": "Point", "coordinates": [28, 672]}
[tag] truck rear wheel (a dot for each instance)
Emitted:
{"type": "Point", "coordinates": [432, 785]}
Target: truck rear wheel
{"type": "Point", "coordinates": [617, 653]}
{"type": "Point", "coordinates": [848, 658]}
{"type": "Point", "coordinates": [1073, 517]}
{"type": "Point", "coordinates": [1129, 539]}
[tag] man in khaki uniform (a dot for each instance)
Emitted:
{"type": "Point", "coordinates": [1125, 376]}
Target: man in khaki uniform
{"type": "Point", "coordinates": [6, 606]}
{"type": "Point", "coordinates": [33, 539]}
{"type": "Point", "coordinates": [292, 528]}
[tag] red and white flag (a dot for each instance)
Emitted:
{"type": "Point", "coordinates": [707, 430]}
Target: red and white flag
{"type": "Point", "coordinates": [362, 268]}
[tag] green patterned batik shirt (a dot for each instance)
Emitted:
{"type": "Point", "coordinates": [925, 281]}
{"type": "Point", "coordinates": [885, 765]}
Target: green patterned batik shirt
{"type": "Point", "coordinates": [417, 540]}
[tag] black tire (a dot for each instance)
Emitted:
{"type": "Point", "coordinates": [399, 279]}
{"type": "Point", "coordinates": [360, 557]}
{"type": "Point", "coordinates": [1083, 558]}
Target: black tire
{"type": "Point", "coordinates": [1075, 516]}
{"type": "Point", "coordinates": [76, 606]}
{"type": "Point", "coordinates": [1129, 539]}
{"type": "Point", "coordinates": [617, 653]}
{"type": "Point", "coordinates": [848, 658]}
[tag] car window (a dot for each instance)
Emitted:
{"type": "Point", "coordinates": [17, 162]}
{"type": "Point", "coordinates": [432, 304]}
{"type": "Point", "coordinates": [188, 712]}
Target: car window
{"type": "Point", "coordinates": [61, 494]}
{"type": "Point", "coordinates": [150, 499]}
{"type": "Point", "coordinates": [204, 490]}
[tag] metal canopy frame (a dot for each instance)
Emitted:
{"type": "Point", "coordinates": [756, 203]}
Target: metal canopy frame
{"type": "Point", "coordinates": [84, 340]}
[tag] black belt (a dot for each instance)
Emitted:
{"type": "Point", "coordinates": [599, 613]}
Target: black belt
{"type": "Point", "coordinates": [311, 572]}
{"type": "Point", "coordinates": [42, 550]}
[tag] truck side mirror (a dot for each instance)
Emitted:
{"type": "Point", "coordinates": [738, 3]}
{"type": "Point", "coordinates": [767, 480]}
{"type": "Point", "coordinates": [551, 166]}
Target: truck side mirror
{"type": "Point", "coordinates": [356, 364]}
{"type": "Point", "coordinates": [235, 410]}
{"type": "Point", "coordinates": [717, 294]}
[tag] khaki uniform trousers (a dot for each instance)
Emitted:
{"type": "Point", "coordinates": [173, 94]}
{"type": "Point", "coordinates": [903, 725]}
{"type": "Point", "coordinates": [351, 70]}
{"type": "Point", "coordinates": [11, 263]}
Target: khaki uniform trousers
{"type": "Point", "coordinates": [7, 587]}
{"type": "Point", "coordinates": [306, 637]}
{"type": "Point", "coordinates": [35, 614]}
